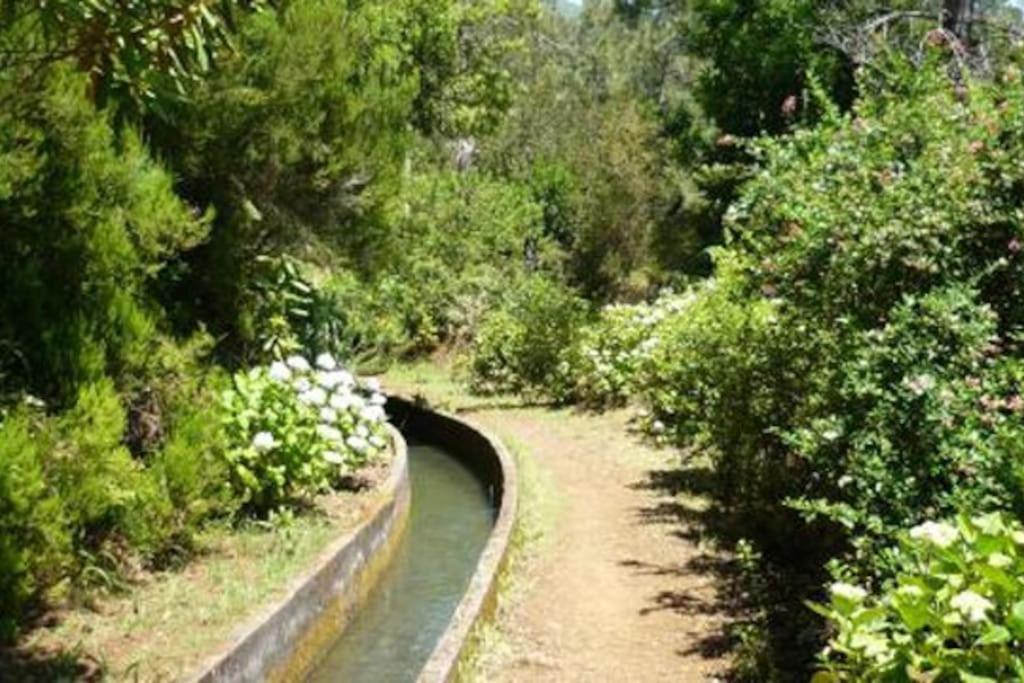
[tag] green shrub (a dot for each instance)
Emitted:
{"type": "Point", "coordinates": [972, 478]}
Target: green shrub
{"type": "Point", "coordinates": [110, 503]}
{"type": "Point", "coordinates": [605, 363]}
{"type": "Point", "coordinates": [463, 242]}
{"type": "Point", "coordinates": [854, 368]}
{"type": "Point", "coordinates": [294, 430]}
{"type": "Point", "coordinates": [191, 465]}
{"type": "Point", "coordinates": [522, 345]}
{"type": "Point", "coordinates": [917, 430]}
{"type": "Point", "coordinates": [90, 220]}
{"type": "Point", "coordinates": [953, 612]}
{"type": "Point", "coordinates": [34, 542]}
{"type": "Point", "coordinates": [862, 301]}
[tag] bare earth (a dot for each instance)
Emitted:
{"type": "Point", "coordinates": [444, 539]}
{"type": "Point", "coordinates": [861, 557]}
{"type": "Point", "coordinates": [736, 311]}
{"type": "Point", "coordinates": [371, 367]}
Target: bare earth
{"type": "Point", "coordinates": [623, 589]}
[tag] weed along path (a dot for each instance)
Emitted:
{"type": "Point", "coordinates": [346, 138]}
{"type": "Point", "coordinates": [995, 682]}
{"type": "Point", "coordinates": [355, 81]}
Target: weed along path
{"type": "Point", "coordinates": [609, 581]}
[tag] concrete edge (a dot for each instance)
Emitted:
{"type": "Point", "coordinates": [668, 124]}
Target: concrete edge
{"type": "Point", "coordinates": [494, 465]}
{"type": "Point", "coordinates": [286, 640]}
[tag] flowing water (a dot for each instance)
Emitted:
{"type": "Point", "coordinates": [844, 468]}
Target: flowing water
{"type": "Point", "coordinates": [396, 631]}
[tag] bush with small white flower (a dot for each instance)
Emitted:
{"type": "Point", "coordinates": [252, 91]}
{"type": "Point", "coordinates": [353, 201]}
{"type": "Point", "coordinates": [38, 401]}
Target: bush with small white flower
{"type": "Point", "coordinates": [955, 611]}
{"type": "Point", "coordinates": [298, 427]}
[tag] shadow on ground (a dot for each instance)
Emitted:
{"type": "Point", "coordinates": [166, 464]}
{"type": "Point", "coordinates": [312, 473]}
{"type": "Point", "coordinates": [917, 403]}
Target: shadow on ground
{"type": "Point", "coordinates": [27, 665]}
{"type": "Point", "coordinates": [766, 626]}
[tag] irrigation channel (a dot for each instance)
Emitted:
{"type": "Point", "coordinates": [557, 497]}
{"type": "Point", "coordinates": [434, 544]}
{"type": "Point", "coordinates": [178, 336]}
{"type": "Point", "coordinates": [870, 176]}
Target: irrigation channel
{"type": "Point", "coordinates": [397, 629]}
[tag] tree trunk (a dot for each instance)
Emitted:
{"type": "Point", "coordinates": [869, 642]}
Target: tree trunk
{"type": "Point", "coordinates": [958, 15]}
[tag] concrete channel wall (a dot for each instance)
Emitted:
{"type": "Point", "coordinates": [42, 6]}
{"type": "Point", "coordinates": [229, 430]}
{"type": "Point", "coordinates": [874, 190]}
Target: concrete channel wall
{"type": "Point", "coordinates": [285, 642]}
{"type": "Point", "coordinates": [486, 457]}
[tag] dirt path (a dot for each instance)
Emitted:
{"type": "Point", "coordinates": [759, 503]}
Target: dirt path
{"type": "Point", "coordinates": [622, 589]}
{"type": "Point", "coordinates": [619, 586]}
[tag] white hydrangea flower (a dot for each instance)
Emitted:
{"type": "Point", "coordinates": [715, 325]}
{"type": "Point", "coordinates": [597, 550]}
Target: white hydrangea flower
{"type": "Point", "coordinates": [909, 590]}
{"type": "Point", "coordinates": [848, 591]}
{"type": "Point", "coordinates": [326, 361]}
{"type": "Point", "coordinates": [334, 457]}
{"type": "Point", "coordinates": [279, 372]}
{"type": "Point", "coordinates": [378, 400]}
{"type": "Point", "coordinates": [314, 397]}
{"type": "Point", "coordinates": [999, 560]}
{"type": "Point", "coordinates": [1018, 537]}
{"type": "Point", "coordinates": [372, 414]}
{"type": "Point", "coordinates": [974, 607]}
{"type": "Point", "coordinates": [302, 385]}
{"type": "Point", "coordinates": [377, 441]}
{"type": "Point", "coordinates": [345, 378]}
{"type": "Point", "coordinates": [937, 533]}
{"type": "Point", "coordinates": [357, 443]}
{"type": "Point", "coordinates": [328, 380]}
{"type": "Point", "coordinates": [328, 416]}
{"type": "Point", "coordinates": [34, 401]}
{"type": "Point", "coordinates": [328, 433]}
{"type": "Point", "coordinates": [264, 441]}
{"type": "Point", "coordinates": [362, 430]}
{"type": "Point", "coordinates": [372, 384]}
{"type": "Point", "coordinates": [298, 363]}
{"type": "Point", "coordinates": [341, 401]}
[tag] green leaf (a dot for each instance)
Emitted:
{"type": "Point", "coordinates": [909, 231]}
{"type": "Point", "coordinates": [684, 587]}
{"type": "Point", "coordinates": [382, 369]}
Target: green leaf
{"type": "Point", "coordinates": [1016, 619]}
{"type": "Point", "coordinates": [968, 677]}
{"type": "Point", "coordinates": [995, 635]}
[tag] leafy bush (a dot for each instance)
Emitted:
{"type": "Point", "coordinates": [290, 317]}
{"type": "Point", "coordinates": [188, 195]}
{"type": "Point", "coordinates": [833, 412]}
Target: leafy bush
{"type": "Point", "coordinates": [953, 612]}
{"type": "Point", "coordinates": [34, 542]}
{"type": "Point", "coordinates": [463, 242]}
{"type": "Point", "coordinates": [854, 368]}
{"type": "Point", "coordinates": [190, 466]}
{"type": "Point", "coordinates": [860, 318]}
{"type": "Point", "coordinates": [295, 430]}
{"type": "Point", "coordinates": [90, 222]}
{"type": "Point", "coordinates": [521, 346]}
{"type": "Point", "coordinates": [605, 363]}
{"type": "Point", "coordinates": [109, 502]}
{"type": "Point", "coordinates": [917, 375]}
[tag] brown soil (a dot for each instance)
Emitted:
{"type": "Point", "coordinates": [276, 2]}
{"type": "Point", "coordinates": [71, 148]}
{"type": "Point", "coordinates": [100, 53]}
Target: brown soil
{"type": "Point", "coordinates": [624, 589]}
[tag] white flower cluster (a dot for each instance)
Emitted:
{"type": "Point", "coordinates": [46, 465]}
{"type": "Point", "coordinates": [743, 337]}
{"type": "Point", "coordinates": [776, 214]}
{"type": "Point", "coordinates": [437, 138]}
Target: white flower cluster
{"type": "Point", "coordinates": [848, 591]}
{"type": "Point", "coordinates": [972, 606]}
{"type": "Point", "coordinates": [350, 411]}
{"type": "Point", "coordinates": [939, 534]}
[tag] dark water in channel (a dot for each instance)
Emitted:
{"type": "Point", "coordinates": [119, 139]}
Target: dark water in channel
{"type": "Point", "coordinates": [395, 632]}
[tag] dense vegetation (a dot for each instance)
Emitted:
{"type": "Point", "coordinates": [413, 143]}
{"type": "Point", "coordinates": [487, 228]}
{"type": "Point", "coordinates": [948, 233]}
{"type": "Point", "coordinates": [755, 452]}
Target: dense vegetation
{"type": "Point", "coordinates": [790, 231]}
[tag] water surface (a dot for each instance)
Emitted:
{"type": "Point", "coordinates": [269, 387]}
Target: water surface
{"type": "Point", "coordinates": [396, 631]}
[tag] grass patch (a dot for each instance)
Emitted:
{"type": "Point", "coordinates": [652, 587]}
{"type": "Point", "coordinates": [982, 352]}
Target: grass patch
{"type": "Point", "coordinates": [166, 626]}
{"type": "Point", "coordinates": [538, 508]}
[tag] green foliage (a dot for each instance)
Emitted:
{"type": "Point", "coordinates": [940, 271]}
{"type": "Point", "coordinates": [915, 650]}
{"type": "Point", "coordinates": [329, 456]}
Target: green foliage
{"type": "Point", "coordinates": [293, 431]}
{"type": "Point", "coordinates": [521, 345]}
{"type": "Point", "coordinates": [604, 365]}
{"type": "Point", "coordinates": [770, 51]}
{"type": "Point", "coordinates": [106, 495]}
{"type": "Point", "coordinates": [866, 285]}
{"type": "Point", "coordinates": [462, 241]}
{"type": "Point", "coordinates": [190, 465]}
{"type": "Point", "coordinates": [33, 539]}
{"type": "Point", "coordinates": [138, 52]}
{"type": "Point", "coordinates": [89, 222]}
{"type": "Point", "coordinates": [953, 612]}
{"type": "Point", "coordinates": [584, 135]}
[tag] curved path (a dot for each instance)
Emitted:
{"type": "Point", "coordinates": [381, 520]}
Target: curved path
{"type": "Point", "coordinates": [621, 586]}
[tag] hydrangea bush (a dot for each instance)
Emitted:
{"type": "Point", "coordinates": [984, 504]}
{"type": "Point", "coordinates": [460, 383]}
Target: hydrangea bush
{"type": "Point", "coordinates": [298, 427]}
{"type": "Point", "coordinates": [603, 366]}
{"type": "Point", "coordinates": [955, 612]}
